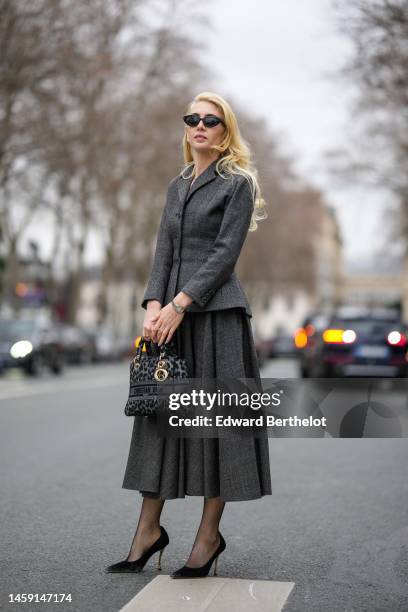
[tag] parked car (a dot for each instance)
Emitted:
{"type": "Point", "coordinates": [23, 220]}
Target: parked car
{"type": "Point", "coordinates": [283, 346]}
{"type": "Point", "coordinates": [111, 345]}
{"type": "Point", "coordinates": [261, 351]}
{"type": "Point", "coordinates": [30, 344]}
{"type": "Point", "coordinates": [370, 342]}
{"type": "Point", "coordinates": [79, 345]}
{"type": "Point", "coordinates": [280, 345]}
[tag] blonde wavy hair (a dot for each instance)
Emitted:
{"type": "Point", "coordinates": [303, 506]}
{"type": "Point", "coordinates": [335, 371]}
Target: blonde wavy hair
{"type": "Point", "coordinates": [235, 154]}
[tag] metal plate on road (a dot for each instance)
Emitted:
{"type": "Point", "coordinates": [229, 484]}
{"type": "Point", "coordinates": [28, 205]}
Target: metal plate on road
{"type": "Point", "coordinates": [210, 594]}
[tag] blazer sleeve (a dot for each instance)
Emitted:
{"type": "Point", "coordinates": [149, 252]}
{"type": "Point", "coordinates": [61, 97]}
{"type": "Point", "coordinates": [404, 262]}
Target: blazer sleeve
{"type": "Point", "coordinates": [226, 248]}
{"type": "Point", "coordinates": [162, 262]}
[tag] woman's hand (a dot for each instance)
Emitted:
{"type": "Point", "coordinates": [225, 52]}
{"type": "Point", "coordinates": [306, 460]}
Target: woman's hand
{"type": "Point", "coordinates": [152, 312]}
{"type": "Point", "coordinates": [165, 324]}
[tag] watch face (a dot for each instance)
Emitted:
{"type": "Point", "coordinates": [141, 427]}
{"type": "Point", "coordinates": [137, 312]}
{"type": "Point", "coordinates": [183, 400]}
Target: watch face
{"type": "Point", "coordinates": [178, 308]}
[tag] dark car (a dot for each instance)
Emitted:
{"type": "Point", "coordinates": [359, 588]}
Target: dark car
{"type": "Point", "coordinates": [306, 339]}
{"type": "Point", "coordinates": [283, 346]}
{"type": "Point", "coordinates": [280, 345]}
{"type": "Point", "coordinates": [30, 344]}
{"type": "Point", "coordinates": [78, 345]}
{"type": "Point", "coordinates": [359, 343]}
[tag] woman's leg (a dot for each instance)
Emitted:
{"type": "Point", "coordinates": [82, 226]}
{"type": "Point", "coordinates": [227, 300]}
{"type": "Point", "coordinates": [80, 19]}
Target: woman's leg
{"type": "Point", "coordinates": [148, 527]}
{"type": "Point", "coordinates": [207, 539]}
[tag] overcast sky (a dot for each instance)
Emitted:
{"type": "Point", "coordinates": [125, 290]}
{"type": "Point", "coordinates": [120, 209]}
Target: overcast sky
{"type": "Point", "coordinates": [279, 59]}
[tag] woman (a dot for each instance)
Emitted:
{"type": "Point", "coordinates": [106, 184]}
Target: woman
{"type": "Point", "coordinates": [194, 295]}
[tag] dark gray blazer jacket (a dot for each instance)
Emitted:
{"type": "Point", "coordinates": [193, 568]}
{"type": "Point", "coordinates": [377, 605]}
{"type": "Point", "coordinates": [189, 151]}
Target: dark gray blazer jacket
{"type": "Point", "coordinates": [200, 237]}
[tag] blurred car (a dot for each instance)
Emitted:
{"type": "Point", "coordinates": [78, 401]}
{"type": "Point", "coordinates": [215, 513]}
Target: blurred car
{"type": "Point", "coordinates": [262, 349]}
{"type": "Point", "coordinates": [30, 344]}
{"type": "Point", "coordinates": [78, 345]}
{"type": "Point", "coordinates": [280, 345]}
{"type": "Point", "coordinates": [370, 342]}
{"type": "Point", "coordinates": [283, 346]}
{"type": "Point", "coordinates": [111, 345]}
{"type": "Point", "coordinates": [306, 340]}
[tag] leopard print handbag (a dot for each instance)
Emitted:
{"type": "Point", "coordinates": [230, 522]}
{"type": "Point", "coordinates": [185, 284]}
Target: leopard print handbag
{"type": "Point", "coordinates": [148, 372]}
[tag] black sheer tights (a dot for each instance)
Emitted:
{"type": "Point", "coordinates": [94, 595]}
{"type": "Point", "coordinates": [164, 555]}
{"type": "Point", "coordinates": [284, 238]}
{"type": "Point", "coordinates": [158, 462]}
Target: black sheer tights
{"type": "Point", "coordinates": [206, 540]}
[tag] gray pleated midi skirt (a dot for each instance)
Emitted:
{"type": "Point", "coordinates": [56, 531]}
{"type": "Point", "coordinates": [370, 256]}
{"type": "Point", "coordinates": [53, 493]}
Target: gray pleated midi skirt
{"type": "Point", "coordinates": [213, 343]}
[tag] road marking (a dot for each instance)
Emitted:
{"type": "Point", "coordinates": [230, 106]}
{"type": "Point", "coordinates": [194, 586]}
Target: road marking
{"type": "Point", "coordinates": [210, 594]}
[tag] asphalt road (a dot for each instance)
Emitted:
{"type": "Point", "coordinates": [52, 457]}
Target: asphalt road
{"type": "Point", "coordinates": [336, 523]}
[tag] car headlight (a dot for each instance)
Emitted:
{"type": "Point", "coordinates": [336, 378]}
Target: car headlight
{"type": "Point", "coordinates": [21, 349]}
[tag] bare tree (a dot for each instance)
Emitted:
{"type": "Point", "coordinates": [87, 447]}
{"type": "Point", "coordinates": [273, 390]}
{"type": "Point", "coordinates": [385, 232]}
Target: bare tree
{"type": "Point", "coordinates": [86, 93]}
{"type": "Point", "coordinates": [27, 64]}
{"type": "Point", "coordinates": [378, 150]}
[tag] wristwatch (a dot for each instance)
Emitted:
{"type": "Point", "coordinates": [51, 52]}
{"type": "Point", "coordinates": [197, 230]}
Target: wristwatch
{"type": "Point", "coordinates": [179, 309]}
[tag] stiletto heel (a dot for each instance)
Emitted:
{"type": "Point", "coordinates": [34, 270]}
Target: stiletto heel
{"type": "Point", "coordinates": [159, 559]}
{"type": "Point", "coordinates": [201, 572]}
{"type": "Point", "coordinates": [137, 565]}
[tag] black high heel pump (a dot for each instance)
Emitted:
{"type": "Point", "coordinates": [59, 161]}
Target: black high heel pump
{"type": "Point", "coordinates": [201, 572]}
{"type": "Point", "coordinates": [137, 565]}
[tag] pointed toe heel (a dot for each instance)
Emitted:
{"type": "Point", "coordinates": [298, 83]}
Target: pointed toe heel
{"type": "Point", "coordinates": [137, 566]}
{"type": "Point", "coordinates": [201, 572]}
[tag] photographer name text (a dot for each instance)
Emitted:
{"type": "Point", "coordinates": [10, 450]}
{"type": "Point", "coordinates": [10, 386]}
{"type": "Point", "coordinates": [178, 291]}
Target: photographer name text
{"type": "Point", "coordinates": [259, 421]}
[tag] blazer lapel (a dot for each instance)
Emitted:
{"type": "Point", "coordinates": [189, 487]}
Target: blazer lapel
{"type": "Point", "coordinates": [205, 177]}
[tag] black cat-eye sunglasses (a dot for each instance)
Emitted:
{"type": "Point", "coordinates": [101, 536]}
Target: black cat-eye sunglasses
{"type": "Point", "coordinates": [208, 120]}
